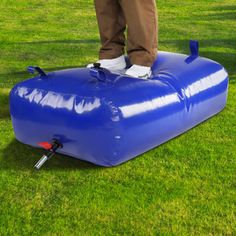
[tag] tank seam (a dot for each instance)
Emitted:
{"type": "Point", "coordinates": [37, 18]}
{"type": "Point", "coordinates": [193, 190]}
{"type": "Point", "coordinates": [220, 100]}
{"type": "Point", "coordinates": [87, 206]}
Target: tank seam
{"type": "Point", "coordinates": [117, 127]}
{"type": "Point", "coordinates": [181, 94]}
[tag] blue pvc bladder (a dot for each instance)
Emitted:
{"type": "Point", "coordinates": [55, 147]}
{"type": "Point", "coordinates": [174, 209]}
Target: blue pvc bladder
{"type": "Point", "coordinates": [107, 117]}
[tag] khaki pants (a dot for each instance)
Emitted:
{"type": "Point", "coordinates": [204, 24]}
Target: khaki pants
{"type": "Point", "coordinates": [141, 18]}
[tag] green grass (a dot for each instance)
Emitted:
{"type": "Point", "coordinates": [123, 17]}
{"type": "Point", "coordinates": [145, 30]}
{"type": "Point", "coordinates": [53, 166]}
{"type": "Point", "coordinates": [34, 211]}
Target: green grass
{"type": "Point", "coordinates": [184, 187]}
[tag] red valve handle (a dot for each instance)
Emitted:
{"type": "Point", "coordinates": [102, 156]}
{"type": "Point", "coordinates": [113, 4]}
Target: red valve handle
{"type": "Point", "coordinates": [45, 145]}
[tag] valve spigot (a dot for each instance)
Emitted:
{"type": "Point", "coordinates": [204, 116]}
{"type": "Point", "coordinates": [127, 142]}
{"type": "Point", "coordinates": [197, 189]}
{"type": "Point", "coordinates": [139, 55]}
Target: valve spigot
{"type": "Point", "coordinates": [52, 148]}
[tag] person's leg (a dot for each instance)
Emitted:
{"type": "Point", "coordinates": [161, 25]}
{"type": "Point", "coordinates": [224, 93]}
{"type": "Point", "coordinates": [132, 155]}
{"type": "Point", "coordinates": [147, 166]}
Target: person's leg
{"type": "Point", "coordinates": [141, 18]}
{"type": "Point", "coordinates": [111, 23]}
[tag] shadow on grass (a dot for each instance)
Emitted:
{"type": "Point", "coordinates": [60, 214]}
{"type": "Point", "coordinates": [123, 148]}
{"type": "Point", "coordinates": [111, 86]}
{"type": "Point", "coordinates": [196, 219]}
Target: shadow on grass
{"type": "Point", "coordinates": [227, 59]}
{"type": "Point", "coordinates": [65, 41]}
{"type": "Point", "coordinates": [18, 76]}
{"type": "Point", "coordinates": [24, 74]}
{"type": "Point", "coordinates": [4, 106]}
{"type": "Point", "coordinates": [222, 16]}
{"type": "Point", "coordinates": [62, 68]}
{"type": "Point", "coordinates": [183, 44]}
{"type": "Point", "coordinates": [11, 78]}
{"type": "Point", "coordinates": [224, 8]}
{"type": "Point", "coordinates": [18, 156]}
{"type": "Point", "coordinates": [40, 53]}
{"type": "Point", "coordinates": [219, 13]}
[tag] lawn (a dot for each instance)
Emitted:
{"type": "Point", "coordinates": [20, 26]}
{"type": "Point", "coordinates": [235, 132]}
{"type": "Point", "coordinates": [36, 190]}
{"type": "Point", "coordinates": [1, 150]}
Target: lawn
{"type": "Point", "coordinates": [186, 186]}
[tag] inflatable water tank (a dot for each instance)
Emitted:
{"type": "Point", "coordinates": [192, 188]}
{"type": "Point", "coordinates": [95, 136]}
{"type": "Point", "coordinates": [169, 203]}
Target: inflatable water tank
{"type": "Point", "coordinates": [106, 117]}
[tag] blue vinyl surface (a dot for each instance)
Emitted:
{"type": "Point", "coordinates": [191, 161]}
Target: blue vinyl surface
{"type": "Point", "coordinates": [108, 118]}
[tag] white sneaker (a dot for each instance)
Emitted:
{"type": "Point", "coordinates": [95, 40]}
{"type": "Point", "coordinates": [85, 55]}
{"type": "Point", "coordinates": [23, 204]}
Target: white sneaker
{"type": "Point", "coordinates": [112, 64]}
{"type": "Point", "coordinates": [141, 72]}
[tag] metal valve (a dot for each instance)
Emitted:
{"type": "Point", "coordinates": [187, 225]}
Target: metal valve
{"type": "Point", "coordinates": [52, 148]}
